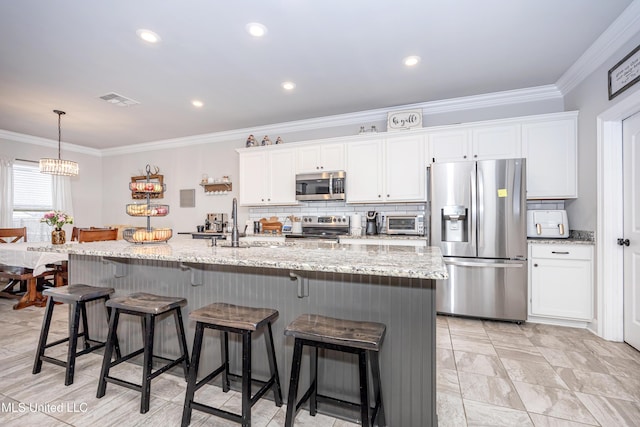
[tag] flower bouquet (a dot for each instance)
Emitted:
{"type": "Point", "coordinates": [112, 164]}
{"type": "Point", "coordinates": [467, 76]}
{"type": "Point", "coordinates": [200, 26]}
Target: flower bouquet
{"type": "Point", "coordinates": [57, 219]}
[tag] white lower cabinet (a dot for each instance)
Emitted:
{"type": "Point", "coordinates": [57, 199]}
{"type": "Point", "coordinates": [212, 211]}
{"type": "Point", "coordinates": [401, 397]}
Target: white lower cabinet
{"type": "Point", "coordinates": [561, 281]}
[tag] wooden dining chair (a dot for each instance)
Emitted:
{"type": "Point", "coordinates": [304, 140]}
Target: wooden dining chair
{"type": "Point", "coordinates": [76, 231]}
{"type": "Point", "coordinates": [13, 235]}
{"type": "Point", "coordinates": [97, 234]}
{"type": "Point", "coordinates": [14, 276]}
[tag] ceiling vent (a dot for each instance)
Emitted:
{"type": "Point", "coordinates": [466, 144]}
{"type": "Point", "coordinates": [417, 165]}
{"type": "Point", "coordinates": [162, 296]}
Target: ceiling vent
{"type": "Point", "coordinates": [119, 100]}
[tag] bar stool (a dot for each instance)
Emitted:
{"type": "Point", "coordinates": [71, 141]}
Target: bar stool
{"type": "Point", "coordinates": [148, 307]}
{"type": "Point", "coordinates": [229, 318]}
{"type": "Point", "coordinates": [78, 295]}
{"type": "Point", "coordinates": [361, 338]}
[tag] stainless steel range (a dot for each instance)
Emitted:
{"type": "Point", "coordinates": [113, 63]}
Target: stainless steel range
{"type": "Point", "coordinates": [323, 227]}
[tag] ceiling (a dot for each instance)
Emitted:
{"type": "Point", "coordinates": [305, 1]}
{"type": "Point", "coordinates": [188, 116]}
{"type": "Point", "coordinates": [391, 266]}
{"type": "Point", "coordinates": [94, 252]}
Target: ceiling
{"type": "Point", "coordinates": [344, 56]}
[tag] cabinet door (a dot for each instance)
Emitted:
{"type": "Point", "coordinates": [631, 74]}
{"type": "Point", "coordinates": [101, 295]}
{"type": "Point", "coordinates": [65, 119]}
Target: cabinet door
{"type": "Point", "coordinates": [332, 156]}
{"type": "Point", "coordinates": [550, 148]}
{"type": "Point", "coordinates": [364, 171]}
{"type": "Point", "coordinates": [562, 284]}
{"type": "Point", "coordinates": [496, 142]}
{"type": "Point", "coordinates": [448, 145]}
{"type": "Point", "coordinates": [405, 169]}
{"type": "Point", "coordinates": [282, 177]}
{"type": "Point", "coordinates": [253, 170]}
{"type": "Point", "coordinates": [308, 159]}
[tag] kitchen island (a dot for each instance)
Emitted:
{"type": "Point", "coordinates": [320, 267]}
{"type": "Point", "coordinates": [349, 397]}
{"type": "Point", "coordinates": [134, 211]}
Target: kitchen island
{"type": "Point", "coordinates": [394, 285]}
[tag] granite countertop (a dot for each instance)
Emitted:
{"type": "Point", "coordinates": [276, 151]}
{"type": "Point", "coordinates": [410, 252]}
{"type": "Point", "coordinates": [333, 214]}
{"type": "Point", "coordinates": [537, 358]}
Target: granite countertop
{"type": "Point", "coordinates": [321, 256]}
{"type": "Point", "coordinates": [569, 241]}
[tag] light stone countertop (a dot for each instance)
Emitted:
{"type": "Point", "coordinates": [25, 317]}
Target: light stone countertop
{"type": "Point", "coordinates": [568, 241]}
{"type": "Point", "coordinates": [320, 256]}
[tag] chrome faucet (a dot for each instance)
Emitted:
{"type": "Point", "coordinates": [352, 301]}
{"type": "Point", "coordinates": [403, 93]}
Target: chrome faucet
{"type": "Point", "coordinates": [235, 241]}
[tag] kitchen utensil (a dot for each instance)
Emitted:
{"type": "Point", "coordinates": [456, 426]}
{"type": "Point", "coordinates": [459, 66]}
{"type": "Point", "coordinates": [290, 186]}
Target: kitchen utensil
{"type": "Point", "coordinates": [372, 223]}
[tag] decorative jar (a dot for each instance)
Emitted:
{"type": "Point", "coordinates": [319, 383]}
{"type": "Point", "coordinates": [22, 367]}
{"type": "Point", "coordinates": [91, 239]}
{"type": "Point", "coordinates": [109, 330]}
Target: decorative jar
{"type": "Point", "coordinates": [58, 237]}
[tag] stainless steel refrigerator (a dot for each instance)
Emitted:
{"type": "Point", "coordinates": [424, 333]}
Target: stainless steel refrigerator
{"type": "Point", "coordinates": [479, 220]}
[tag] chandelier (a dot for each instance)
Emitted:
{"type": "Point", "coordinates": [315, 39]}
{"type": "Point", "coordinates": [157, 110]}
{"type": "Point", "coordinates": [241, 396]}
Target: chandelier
{"type": "Point", "coordinates": [58, 166]}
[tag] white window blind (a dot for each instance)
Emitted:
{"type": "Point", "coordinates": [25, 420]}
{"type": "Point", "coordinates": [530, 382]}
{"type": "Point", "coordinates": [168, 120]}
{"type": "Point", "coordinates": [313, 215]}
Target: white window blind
{"type": "Point", "coordinates": [32, 196]}
{"type": "Point", "coordinates": [31, 189]}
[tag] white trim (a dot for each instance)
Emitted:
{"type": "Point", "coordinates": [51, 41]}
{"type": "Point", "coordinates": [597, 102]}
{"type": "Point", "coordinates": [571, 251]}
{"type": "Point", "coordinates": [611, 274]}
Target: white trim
{"type": "Point", "coordinates": [613, 38]}
{"type": "Point", "coordinates": [609, 227]}
{"type": "Point", "coordinates": [45, 142]}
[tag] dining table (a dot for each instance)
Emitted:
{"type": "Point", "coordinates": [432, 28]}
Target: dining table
{"type": "Point", "coordinates": [31, 265]}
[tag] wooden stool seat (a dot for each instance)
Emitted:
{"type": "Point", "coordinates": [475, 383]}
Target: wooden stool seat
{"type": "Point", "coordinates": [147, 303]}
{"type": "Point", "coordinates": [234, 316]}
{"type": "Point", "coordinates": [357, 337]}
{"type": "Point", "coordinates": [229, 318]}
{"type": "Point", "coordinates": [77, 292]}
{"type": "Point", "coordinates": [364, 335]}
{"type": "Point", "coordinates": [77, 295]}
{"type": "Point", "coordinates": [148, 307]}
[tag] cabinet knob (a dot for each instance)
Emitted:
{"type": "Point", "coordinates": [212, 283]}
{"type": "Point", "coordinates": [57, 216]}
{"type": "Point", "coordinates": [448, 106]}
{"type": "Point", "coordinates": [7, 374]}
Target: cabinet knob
{"type": "Point", "coordinates": [535, 265]}
{"type": "Point", "coordinates": [475, 155]}
{"type": "Point", "coordinates": [464, 157]}
{"type": "Point", "coordinates": [379, 195]}
{"type": "Point", "coordinates": [388, 195]}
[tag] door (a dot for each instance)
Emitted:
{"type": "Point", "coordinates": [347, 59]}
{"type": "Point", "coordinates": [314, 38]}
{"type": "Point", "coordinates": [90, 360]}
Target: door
{"type": "Point", "coordinates": [494, 289]}
{"type": "Point", "coordinates": [453, 208]}
{"type": "Point", "coordinates": [502, 216]}
{"type": "Point", "coordinates": [631, 160]}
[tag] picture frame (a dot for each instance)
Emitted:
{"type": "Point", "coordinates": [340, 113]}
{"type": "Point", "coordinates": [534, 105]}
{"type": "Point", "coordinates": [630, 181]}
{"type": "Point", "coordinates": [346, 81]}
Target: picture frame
{"type": "Point", "coordinates": [404, 120]}
{"type": "Point", "coordinates": [625, 73]}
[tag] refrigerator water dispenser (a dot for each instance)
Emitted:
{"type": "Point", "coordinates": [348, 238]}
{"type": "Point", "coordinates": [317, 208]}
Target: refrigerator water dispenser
{"type": "Point", "coordinates": [455, 224]}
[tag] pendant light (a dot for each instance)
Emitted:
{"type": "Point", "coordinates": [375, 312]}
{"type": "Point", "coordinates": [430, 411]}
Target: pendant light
{"type": "Point", "coordinates": [59, 166]}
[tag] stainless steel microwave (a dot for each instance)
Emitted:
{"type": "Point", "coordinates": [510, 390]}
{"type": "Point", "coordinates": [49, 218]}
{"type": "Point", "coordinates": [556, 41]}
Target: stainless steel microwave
{"type": "Point", "coordinates": [405, 224]}
{"type": "Point", "coordinates": [321, 186]}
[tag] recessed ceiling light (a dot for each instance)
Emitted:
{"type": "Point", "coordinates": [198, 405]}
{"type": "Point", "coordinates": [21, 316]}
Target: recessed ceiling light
{"type": "Point", "coordinates": [411, 61]}
{"type": "Point", "coordinates": [288, 85]}
{"type": "Point", "coordinates": [256, 29]}
{"type": "Point", "coordinates": [197, 103]}
{"type": "Point", "coordinates": [148, 36]}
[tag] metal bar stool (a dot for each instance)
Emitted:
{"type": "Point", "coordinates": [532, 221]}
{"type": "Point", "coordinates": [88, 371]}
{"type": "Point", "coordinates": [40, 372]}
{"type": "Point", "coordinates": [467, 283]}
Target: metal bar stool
{"type": "Point", "coordinates": [229, 318]}
{"type": "Point", "coordinates": [148, 307]}
{"type": "Point", "coordinates": [361, 338]}
{"type": "Point", "coordinates": [78, 295]}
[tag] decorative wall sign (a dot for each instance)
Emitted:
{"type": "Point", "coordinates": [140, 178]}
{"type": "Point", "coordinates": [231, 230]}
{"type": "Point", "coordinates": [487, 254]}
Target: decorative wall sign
{"type": "Point", "coordinates": [403, 120]}
{"type": "Point", "coordinates": [625, 73]}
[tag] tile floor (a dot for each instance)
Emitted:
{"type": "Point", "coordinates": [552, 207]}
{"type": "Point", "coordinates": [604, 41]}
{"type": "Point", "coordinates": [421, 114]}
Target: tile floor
{"type": "Point", "coordinates": [488, 374]}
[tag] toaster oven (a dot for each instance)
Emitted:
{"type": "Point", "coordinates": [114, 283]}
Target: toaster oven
{"type": "Point", "coordinates": [405, 224]}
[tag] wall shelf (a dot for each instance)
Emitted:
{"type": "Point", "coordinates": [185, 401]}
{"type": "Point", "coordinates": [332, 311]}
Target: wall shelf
{"type": "Point", "coordinates": [217, 188]}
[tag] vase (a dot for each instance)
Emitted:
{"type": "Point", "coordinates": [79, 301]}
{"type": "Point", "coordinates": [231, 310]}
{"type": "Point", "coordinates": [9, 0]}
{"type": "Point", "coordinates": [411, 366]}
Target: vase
{"type": "Point", "coordinates": [58, 237]}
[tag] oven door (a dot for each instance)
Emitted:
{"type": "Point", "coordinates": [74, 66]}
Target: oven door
{"type": "Point", "coordinates": [402, 225]}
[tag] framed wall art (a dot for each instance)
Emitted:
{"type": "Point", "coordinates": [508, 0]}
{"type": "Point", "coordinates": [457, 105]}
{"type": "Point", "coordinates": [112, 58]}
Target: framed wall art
{"type": "Point", "coordinates": [625, 73]}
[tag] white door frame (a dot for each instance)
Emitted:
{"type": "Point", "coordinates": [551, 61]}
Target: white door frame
{"type": "Point", "coordinates": [610, 201]}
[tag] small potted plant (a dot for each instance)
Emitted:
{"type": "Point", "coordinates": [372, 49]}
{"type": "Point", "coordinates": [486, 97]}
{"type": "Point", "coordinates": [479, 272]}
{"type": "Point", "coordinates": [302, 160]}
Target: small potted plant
{"type": "Point", "coordinates": [57, 219]}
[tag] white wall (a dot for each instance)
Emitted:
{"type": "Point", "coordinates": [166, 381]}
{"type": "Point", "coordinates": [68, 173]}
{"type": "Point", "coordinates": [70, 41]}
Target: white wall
{"type": "Point", "coordinates": [591, 98]}
{"type": "Point", "coordinates": [86, 188]}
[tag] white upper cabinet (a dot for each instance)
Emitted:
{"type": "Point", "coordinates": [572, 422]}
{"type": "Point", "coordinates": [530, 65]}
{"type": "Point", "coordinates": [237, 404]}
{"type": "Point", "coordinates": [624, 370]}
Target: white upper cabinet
{"type": "Point", "coordinates": [318, 157]}
{"type": "Point", "coordinates": [267, 176]}
{"type": "Point", "coordinates": [365, 171]}
{"type": "Point", "coordinates": [405, 168]}
{"type": "Point", "coordinates": [474, 142]}
{"type": "Point", "coordinates": [550, 147]}
{"type": "Point", "coordinates": [496, 141]}
{"type": "Point", "coordinates": [448, 145]}
{"type": "Point", "coordinates": [392, 169]}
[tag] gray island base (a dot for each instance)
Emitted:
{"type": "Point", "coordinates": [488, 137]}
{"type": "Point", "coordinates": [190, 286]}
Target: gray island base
{"type": "Point", "coordinates": [387, 284]}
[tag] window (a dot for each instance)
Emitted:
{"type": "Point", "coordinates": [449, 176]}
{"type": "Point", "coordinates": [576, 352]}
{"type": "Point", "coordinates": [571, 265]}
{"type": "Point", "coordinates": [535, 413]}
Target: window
{"type": "Point", "coordinates": [32, 197]}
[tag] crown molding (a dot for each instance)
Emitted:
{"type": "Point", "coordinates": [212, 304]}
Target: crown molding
{"type": "Point", "coordinates": [495, 99]}
{"type": "Point", "coordinates": [50, 143]}
{"type": "Point", "coordinates": [613, 38]}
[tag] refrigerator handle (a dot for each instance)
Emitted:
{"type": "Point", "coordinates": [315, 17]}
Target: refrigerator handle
{"type": "Point", "coordinates": [484, 264]}
{"type": "Point", "coordinates": [475, 242]}
{"type": "Point", "coordinates": [480, 206]}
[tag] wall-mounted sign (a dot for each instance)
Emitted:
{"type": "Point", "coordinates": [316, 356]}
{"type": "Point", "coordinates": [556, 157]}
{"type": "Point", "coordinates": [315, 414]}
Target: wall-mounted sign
{"type": "Point", "coordinates": [403, 120]}
{"type": "Point", "coordinates": [625, 73]}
